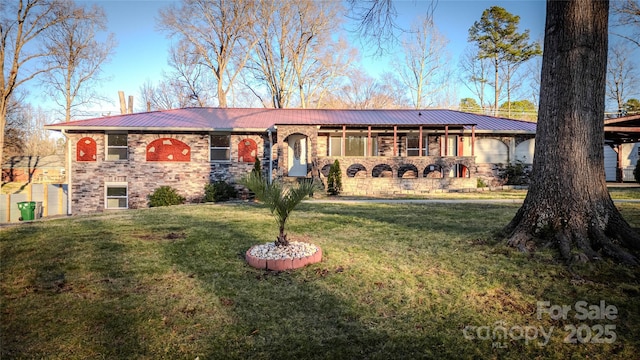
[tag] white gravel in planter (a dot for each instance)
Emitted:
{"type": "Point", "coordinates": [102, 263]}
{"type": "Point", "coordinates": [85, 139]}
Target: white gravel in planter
{"type": "Point", "coordinates": [295, 250]}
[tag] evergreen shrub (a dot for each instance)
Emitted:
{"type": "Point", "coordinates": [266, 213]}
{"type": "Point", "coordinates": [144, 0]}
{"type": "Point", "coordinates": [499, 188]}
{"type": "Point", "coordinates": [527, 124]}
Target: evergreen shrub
{"type": "Point", "coordinates": [334, 180]}
{"type": "Point", "coordinates": [219, 191]}
{"type": "Point", "coordinates": [165, 196]}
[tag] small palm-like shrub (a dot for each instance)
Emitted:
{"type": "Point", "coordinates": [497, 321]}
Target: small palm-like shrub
{"type": "Point", "coordinates": [219, 191]}
{"type": "Point", "coordinates": [334, 180]}
{"type": "Point", "coordinates": [165, 196]}
{"type": "Point", "coordinates": [281, 199]}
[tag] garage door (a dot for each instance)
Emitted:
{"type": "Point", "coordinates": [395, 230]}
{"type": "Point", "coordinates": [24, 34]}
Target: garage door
{"type": "Point", "coordinates": [491, 151]}
{"type": "Point", "coordinates": [524, 151]}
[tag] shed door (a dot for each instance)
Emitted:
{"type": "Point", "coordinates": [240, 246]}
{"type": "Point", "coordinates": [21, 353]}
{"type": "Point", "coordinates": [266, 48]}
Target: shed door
{"type": "Point", "coordinates": [297, 155]}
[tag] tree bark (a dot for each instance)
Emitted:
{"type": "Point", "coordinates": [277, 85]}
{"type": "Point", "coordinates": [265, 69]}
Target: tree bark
{"type": "Point", "coordinates": [568, 205]}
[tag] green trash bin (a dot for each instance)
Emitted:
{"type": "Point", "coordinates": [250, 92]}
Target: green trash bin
{"type": "Point", "coordinates": [27, 210]}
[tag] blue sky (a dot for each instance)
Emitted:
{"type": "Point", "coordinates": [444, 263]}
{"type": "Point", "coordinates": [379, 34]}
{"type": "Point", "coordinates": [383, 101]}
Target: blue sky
{"type": "Point", "coordinates": [141, 54]}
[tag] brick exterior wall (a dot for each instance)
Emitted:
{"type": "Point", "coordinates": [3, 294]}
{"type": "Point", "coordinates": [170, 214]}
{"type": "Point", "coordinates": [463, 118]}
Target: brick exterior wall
{"type": "Point", "coordinates": [407, 174]}
{"type": "Point", "coordinates": [143, 177]}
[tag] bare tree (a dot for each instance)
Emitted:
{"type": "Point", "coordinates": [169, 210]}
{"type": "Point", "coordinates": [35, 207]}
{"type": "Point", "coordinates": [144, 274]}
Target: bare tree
{"type": "Point", "coordinates": [294, 35]}
{"type": "Point", "coordinates": [365, 92]}
{"type": "Point", "coordinates": [76, 58]}
{"type": "Point", "coordinates": [270, 65]}
{"type": "Point", "coordinates": [513, 78]}
{"type": "Point", "coordinates": [219, 33]}
{"type": "Point", "coordinates": [312, 50]}
{"type": "Point", "coordinates": [568, 205]}
{"type": "Point", "coordinates": [37, 140]}
{"type": "Point", "coordinates": [189, 76]}
{"type": "Point", "coordinates": [376, 21]}
{"type": "Point", "coordinates": [475, 73]}
{"type": "Point", "coordinates": [628, 16]}
{"type": "Point", "coordinates": [165, 95]}
{"type": "Point", "coordinates": [532, 76]}
{"type": "Point", "coordinates": [425, 62]}
{"type": "Point", "coordinates": [327, 73]}
{"type": "Point", "coordinates": [621, 76]}
{"type": "Point", "coordinates": [22, 24]}
{"type": "Point", "coordinates": [14, 127]}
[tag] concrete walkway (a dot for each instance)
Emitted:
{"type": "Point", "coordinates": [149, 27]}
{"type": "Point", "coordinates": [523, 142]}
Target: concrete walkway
{"type": "Point", "coordinates": [416, 201]}
{"type": "Point", "coordinates": [434, 201]}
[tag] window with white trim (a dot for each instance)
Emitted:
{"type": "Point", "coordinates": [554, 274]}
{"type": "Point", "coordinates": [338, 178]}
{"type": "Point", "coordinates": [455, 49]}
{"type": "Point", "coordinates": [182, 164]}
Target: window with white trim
{"type": "Point", "coordinates": [413, 146]}
{"type": "Point", "coordinates": [116, 196]}
{"type": "Point", "coordinates": [220, 146]}
{"type": "Point", "coordinates": [117, 148]}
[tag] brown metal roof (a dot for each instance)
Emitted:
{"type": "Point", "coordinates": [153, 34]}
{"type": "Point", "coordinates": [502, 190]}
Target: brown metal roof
{"type": "Point", "coordinates": [234, 119]}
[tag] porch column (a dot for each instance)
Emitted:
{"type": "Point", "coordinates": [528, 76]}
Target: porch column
{"type": "Point", "coordinates": [344, 140]}
{"type": "Point", "coordinates": [473, 140]}
{"type": "Point", "coordinates": [420, 141]}
{"type": "Point", "coordinates": [369, 144]}
{"type": "Point", "coordinates": [446, 140]}
{"type": "Point", "coordinates": [395, 140]}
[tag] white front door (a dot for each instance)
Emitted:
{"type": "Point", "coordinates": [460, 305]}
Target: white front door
{"type": "Point", "coordinates": [297, 155]}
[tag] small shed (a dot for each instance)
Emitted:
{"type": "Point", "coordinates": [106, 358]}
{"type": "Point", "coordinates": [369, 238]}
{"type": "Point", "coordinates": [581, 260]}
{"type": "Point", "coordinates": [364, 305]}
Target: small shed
{"type": "Point", "coordinates": [622, 147]}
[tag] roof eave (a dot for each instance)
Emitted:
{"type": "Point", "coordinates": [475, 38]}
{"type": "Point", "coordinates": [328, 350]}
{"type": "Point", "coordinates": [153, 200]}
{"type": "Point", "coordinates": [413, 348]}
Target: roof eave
{"type": "Point", "coordinates": [519, 132]}
{"type": "Point", "coordinates": [150, 129]}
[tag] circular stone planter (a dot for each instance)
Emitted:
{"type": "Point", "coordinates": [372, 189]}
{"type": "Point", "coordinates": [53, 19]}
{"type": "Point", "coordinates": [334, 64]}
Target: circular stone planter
{"type": "Point", "coordinates": [270, 257]}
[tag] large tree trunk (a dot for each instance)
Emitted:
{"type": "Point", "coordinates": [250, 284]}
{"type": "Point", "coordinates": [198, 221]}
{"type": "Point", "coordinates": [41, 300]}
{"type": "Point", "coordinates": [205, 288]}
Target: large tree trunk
{"type": "Point", "coordinates": [568, 205]}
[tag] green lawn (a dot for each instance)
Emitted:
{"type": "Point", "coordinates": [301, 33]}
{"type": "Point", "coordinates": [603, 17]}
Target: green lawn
{"type": "Point", "coordinates": [396, 282]}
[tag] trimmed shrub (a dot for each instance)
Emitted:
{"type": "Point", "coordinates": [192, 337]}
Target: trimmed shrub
{"type": "Point", "coordinates": [165, 196]}
{"type": "Point", "coordinates": [219, 191]}
{"type": "Point", "coordinates": [257, 168]}
{"type": "Point", "coordinates": [636, 171]}
{"type": "Point", "coordinates": [514, 174]}
{"type": "Point", "coordinates": [334, 180]}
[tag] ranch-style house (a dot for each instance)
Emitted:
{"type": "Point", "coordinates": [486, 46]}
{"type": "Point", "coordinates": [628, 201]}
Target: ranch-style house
{"type": "Point", "coordinates": [116, 162]}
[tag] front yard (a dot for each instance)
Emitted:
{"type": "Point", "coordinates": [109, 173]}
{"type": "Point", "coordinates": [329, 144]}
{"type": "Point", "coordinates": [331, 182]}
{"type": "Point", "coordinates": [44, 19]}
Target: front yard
{"type": "Point", "coordinates": [396, 281]}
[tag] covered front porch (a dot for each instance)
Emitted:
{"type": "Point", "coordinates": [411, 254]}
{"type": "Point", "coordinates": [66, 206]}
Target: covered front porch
{"type": "Point", "coordinates": [383, 159]}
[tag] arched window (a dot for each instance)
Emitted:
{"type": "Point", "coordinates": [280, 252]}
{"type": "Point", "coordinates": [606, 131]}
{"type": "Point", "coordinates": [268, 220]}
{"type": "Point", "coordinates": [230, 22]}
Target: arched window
{"type": "Point", "coordinates": [408, 171]}
{"type": "Point", "coordinates": [86, 149]}
{"type": "Point", "coordinates": [356, 170]}
{"type": "Point", "coordinates": [167, 149]}
{"type": "Point", "coordinates": [382, 170]}
{"type": "Point", "coordinates": [432, 171]}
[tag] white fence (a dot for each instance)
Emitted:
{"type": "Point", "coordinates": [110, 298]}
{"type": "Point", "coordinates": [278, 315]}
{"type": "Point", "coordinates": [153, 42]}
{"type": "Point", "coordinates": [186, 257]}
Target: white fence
{"type": "Point", "coordinates": [627, 174]}
{"type": "Point", "coordinates": [51, 199]}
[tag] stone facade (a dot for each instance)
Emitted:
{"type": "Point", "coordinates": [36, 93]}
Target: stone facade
{"type": "Point", "coordinates": [379, 175]}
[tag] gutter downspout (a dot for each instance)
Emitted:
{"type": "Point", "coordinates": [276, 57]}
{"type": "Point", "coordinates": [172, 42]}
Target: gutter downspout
{"type": "Point", "coordinates": [69, 182]}
{"type": "Point", "coordinates": [270, 155]}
